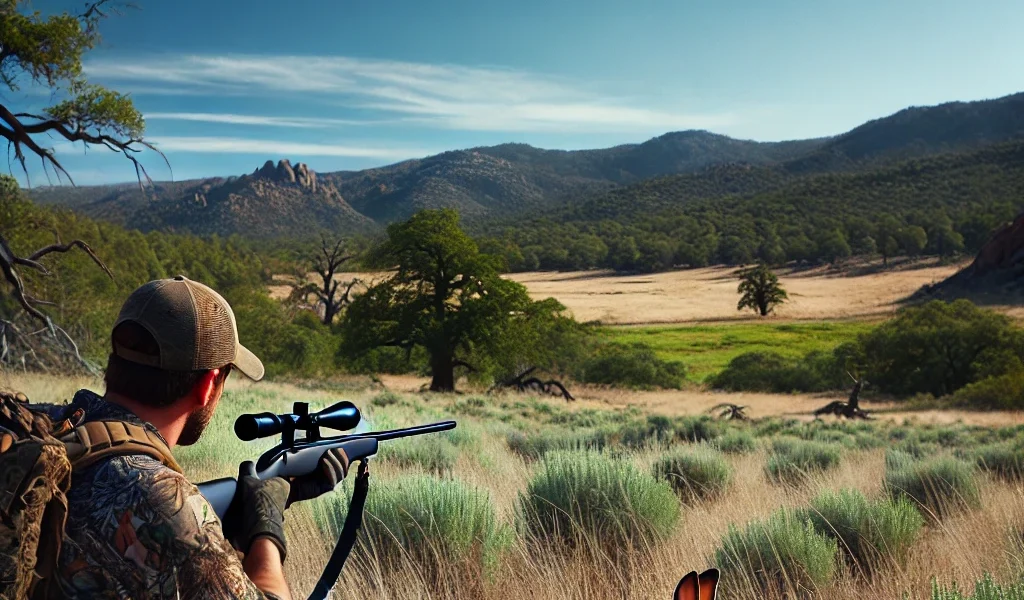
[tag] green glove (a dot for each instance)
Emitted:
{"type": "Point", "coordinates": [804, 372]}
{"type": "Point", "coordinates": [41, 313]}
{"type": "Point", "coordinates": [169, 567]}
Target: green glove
{"type": "Point", "coordinates": [333, 468]}
{"type": "Point", "coordinates": [261, 504]}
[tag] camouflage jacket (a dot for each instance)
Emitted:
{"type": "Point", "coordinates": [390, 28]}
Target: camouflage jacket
{"type": "Point", "coordinates": [137, 529]}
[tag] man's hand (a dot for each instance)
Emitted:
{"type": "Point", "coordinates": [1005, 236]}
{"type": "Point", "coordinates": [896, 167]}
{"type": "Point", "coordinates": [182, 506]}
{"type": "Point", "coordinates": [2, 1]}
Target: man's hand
{"type": "Point", "coordinates": [333, 468]}
{"type": "Point", "coordinates": [260, 506]}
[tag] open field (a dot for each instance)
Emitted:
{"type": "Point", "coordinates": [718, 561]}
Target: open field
{"type": "Point", "coordinates": [958, 547]}
{"type": "Point", "coordinates": [708, 295]}
{"type": "Point", "coordinates": [707, 349]}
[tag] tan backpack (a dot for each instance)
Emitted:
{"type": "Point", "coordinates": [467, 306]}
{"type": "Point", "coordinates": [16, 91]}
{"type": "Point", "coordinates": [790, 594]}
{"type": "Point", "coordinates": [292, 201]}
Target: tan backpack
{"type": "Point", "coordinates": [37, 457]}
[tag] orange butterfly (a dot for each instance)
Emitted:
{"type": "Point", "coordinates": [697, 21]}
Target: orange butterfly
{"type": "Point", "coordinates": [698, 587]}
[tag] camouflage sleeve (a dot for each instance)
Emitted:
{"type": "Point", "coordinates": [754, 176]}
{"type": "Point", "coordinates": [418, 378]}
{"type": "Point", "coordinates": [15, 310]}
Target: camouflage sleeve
{"type": "Point", "coordinates": [176, 541]}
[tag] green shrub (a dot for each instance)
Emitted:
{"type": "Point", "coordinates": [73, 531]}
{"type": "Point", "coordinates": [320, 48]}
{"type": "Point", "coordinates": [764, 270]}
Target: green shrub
{"type": "Point", "coordinates": [1005, 459]}
{"type": "Point", "coordinates": [940, 486]}
{"type": "Point", "coordinates": [585, 495]}
{"type": "Point", "coordinates": [696, 474]}
{"type": "Point", "coordinates": [871, 534]}
{"type": "Point", "coordinates": [658, 429]}
{"type": "Point", "coordinates": [768, 372]}
{"type": "Point", "coordinates": [440, 524]}
{"type": "Point", "coordinates": [792, 459]}
{"type": "Point", "coordinates": [782, 553]}
{"type": "Point", "coordinates": [434, 454]}
{"type": "Point", "coordinates": [898, 459]}
{"type": "Point", "coordinates": [536, 445]}
{"type": "Point", "coordinates": [984, 589]}
{"type": "Point", "coordinates": [1004, 392]}
{"type": "Point", "coordinates": [696, 428]}
{"type": "Point", "coordinates": [386, 398]}
{"type": "Point", "coordinates": [736, 442]}
{"type": "Point", "coordinates": [915, 448]}
{"type": "Point", "coordinates": [655, 429]}
{"type": "Point", "coordinates": [634, 365]}
{"type": "Point", "coordinates": [938, 348]}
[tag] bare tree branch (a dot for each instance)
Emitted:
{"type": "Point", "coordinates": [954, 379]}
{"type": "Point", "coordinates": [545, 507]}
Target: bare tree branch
{"type": "Point", "coordinates": [68, 246]}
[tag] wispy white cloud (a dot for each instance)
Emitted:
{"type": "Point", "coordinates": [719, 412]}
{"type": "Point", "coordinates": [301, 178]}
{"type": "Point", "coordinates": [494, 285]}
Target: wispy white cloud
{"type": "Point", "coordinates": [227, 145]}
{"type": "Point", "coordinates": [233, 119]}
{"type": "Point", "coordinates": [440, 96]}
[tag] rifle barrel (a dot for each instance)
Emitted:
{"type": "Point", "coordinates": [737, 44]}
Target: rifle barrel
{"type": "Point", "coordinates": [407, 431]}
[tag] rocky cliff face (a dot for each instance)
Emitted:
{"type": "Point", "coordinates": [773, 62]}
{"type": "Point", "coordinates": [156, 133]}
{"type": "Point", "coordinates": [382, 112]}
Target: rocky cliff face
{"type": "Point", "coordinates": [274, 200]}
{"type": "Point", "coordinates": [998, 269]}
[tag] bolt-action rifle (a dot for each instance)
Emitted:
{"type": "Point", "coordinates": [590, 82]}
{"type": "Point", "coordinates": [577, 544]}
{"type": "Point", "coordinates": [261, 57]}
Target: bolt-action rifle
{"type": "Point", "coordinates": [295, 457]}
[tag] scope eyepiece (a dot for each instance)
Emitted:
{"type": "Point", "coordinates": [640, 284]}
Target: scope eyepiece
{"type": "Point", "coordinates": [341, 416]}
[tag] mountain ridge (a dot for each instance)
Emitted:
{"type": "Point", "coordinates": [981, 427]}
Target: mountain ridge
{"type": "Point", "coordinates": [510, 180]}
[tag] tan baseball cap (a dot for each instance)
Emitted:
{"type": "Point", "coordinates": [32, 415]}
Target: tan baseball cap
{"type": "Point", "coordinates": [193, 326]}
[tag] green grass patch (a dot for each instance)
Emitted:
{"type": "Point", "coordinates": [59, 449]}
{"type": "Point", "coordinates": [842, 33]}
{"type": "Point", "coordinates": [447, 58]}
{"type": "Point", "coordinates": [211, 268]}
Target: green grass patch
{"type": "Point", "coordinates": [707, 349]}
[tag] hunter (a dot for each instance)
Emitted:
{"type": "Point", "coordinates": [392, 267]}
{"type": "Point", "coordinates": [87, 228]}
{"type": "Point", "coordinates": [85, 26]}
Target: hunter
{"type": "Point", "coordinates": [137, 528]}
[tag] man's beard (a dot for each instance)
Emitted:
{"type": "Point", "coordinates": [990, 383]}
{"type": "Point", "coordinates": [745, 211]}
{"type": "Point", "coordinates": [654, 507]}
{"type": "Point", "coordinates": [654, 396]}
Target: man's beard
{"type": "Point", "coordinates": [195, 424]}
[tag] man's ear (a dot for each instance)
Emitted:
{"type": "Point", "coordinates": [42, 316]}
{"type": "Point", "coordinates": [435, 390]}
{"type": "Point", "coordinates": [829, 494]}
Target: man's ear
{"type": "Point", "coordinates": [205, 388]}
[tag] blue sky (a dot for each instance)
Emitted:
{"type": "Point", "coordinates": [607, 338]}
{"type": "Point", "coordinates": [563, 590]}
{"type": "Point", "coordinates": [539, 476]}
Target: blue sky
{"type": "Point", "coordinates": [351, 84]}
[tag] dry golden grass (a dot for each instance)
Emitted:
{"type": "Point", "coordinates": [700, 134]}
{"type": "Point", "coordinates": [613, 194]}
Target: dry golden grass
{"type": "Point", "coordinates": [959, 548]}
{"type": "Point", "coordinates": [709, 294]}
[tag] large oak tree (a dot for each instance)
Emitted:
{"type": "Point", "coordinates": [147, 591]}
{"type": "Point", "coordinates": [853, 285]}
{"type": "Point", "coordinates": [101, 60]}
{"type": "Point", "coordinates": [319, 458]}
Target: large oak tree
{"type": "Point", "coordinates": [448, 298]}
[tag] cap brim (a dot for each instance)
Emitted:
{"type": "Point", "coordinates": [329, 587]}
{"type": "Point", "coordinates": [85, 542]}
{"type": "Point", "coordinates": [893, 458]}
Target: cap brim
{"type": "Point", "coordinates": [247, 363]}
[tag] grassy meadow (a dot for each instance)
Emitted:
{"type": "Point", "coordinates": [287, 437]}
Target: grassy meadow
{"type": "Point", "coordinates": [537, 498]}
{"type": "Point", "coordinates": [707, 349]}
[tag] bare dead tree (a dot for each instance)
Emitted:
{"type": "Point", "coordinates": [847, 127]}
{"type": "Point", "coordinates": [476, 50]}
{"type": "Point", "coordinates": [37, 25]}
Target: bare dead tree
{"type": "Point", "coordinates": [851, 408]}
{"type": "Point", "coordinates": [730, 411]}
{"type": "Point", "coordinates": [327, 262]}
{"type": "Point", "coordinates": [32, 347]}
{"type": "Point", "coordinates": [522, 382]}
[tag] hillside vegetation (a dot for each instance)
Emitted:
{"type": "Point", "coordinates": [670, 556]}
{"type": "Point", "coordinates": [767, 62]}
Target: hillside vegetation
{"type": "Point", "coordinates": [941, 205]}
{"type": "Point", "coordinates": [689, 197]}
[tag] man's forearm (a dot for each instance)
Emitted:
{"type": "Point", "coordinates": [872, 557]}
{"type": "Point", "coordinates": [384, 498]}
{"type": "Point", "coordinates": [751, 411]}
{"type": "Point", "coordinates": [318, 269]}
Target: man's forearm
{"type": "Point", "coordinates": [263, 566]}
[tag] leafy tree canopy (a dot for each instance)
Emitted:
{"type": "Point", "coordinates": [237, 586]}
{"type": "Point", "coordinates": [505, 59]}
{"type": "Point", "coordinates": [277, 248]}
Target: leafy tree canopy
{"type": "Point", "coordinates": [940, 347]}
{"type": "Point", "coordinates": [760, 290]}
{"type": "Point", "coordinates": [46, 52]}
{"type": "Point", "coordinates": [447, 298]}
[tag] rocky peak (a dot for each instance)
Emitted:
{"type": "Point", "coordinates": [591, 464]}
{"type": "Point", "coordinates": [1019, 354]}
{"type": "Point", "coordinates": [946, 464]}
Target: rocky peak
{"type": "Point", "coordinates": [284, 172]}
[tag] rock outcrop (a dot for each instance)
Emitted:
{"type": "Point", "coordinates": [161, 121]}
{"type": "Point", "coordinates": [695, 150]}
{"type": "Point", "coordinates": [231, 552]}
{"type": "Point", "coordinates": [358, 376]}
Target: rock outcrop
{"type": "Point", "coordinates": [997, 270]}
{"type": "Point", "coordinates": [284, 172]}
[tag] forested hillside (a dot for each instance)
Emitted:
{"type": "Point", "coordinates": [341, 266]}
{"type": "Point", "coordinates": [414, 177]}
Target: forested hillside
{"type": "Point", "coordinates": [87, 300]}
{"type": "Point", "coordinates": [941, 205]}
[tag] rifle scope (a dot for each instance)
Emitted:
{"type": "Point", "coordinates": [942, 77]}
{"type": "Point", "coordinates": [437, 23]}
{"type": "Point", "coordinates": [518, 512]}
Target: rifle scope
{"type": "Point", "coordinates": [342, 416]}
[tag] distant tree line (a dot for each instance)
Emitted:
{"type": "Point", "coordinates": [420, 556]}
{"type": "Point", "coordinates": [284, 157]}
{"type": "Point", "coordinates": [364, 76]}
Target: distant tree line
{"type": "Point", "coordinates": [735, 237]}
{"type": "Point", "coordinates": [941, 206]}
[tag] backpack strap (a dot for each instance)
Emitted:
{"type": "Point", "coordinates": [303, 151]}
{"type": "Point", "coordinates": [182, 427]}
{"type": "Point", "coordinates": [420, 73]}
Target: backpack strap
{"type": "Point", "coordinates": [96, 440]}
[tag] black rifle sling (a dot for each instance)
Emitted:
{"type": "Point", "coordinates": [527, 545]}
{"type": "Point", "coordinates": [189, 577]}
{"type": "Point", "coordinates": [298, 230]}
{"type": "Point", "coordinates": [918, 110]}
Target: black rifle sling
{"type": "Point", "coordinates": [347, 539]}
